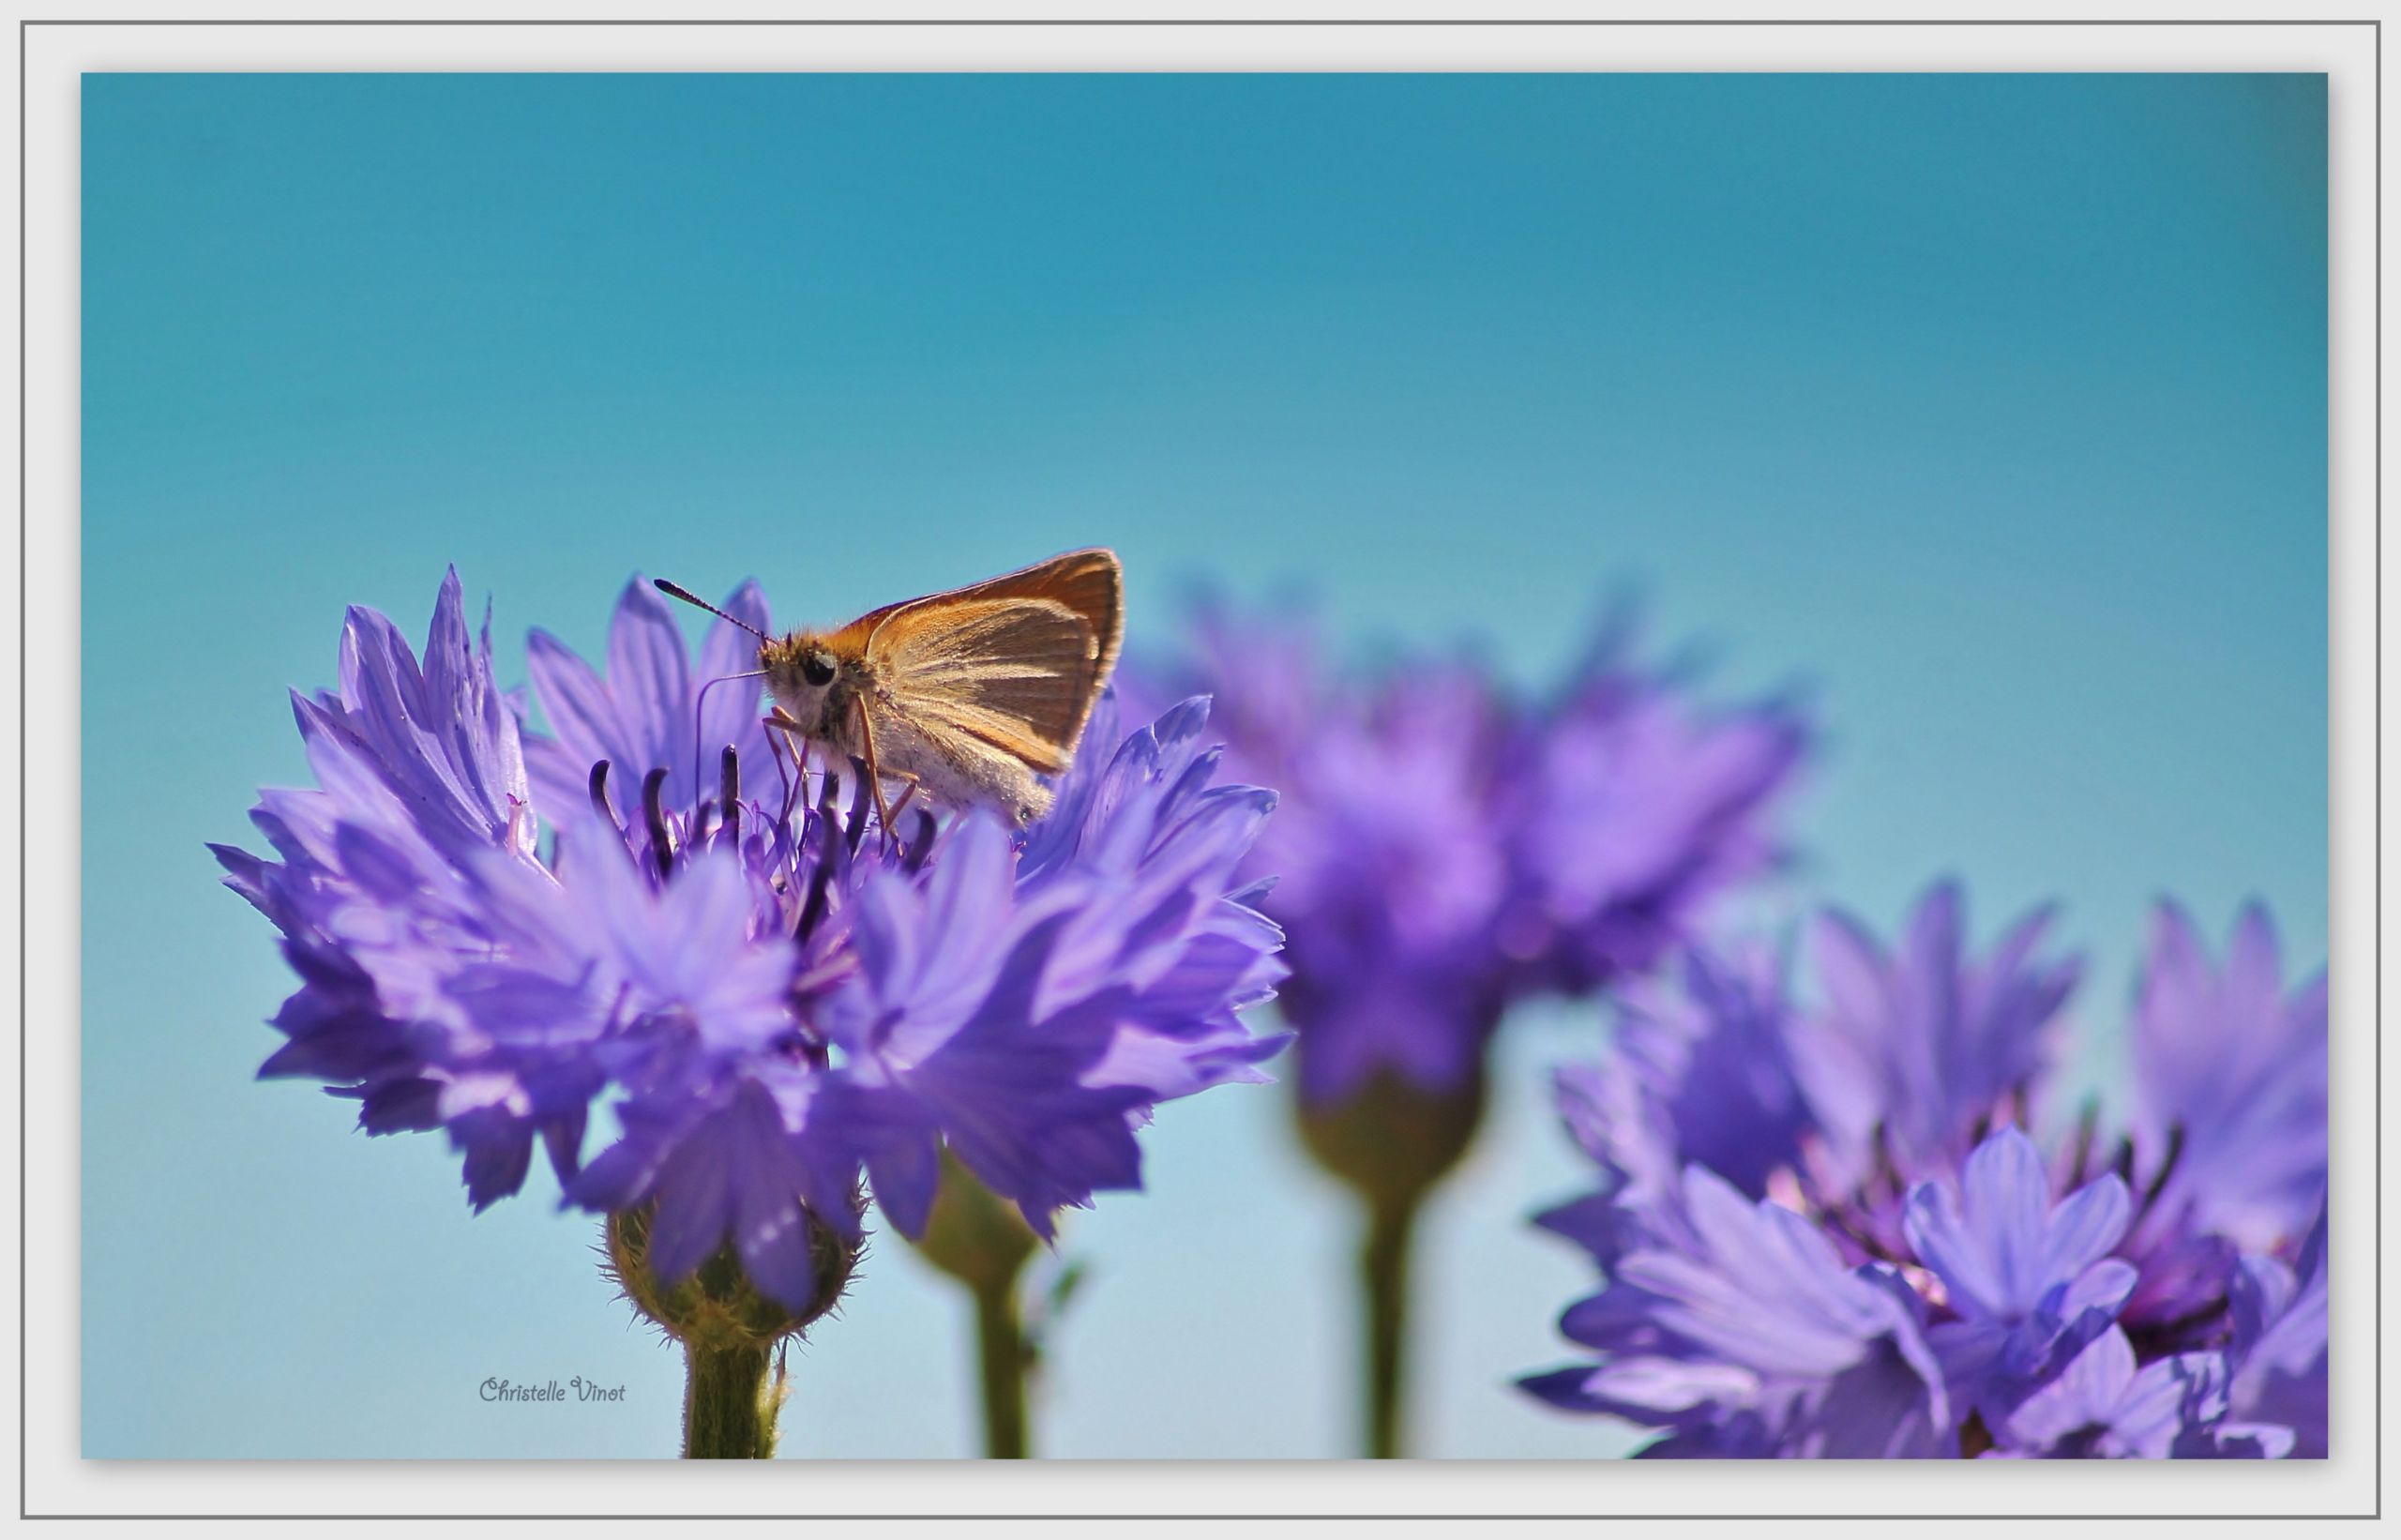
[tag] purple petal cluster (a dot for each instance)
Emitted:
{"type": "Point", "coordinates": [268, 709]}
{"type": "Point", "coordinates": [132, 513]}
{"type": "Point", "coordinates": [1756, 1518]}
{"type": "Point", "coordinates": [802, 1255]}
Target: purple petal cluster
{"type": "Point", "coordinates": [767, 993]}
{"type": "Point", "coordinates": [1911, 1048]}
{"type": "Point", "coordinates": [1441, 851]}
{"type": "Point", "coordinates": [2231, 1073]}
{"type": "Point", "coordinates": [1741, 1329]}
{"type": "Point", "coordinates": [1825, 1230]}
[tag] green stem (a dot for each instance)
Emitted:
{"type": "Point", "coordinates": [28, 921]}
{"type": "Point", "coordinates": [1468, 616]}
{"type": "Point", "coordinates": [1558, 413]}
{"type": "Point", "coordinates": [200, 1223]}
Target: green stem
{"type": "Point", "coordinates": [1001, 1344]}
{"type": "Point", "coordinates": [729, 1409]}
{"type": "Point", "coordinates": [1383, 1271]}
{"type": "Point", "coordinates": [1391, 1142]}
{"type": "Point", "coordinates": [984, 1242]}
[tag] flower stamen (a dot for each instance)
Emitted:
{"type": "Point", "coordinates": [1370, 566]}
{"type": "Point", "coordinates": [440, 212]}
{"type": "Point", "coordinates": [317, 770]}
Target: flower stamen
{"type": "Point", "coordinates": [599, 789]}
{"type": "Point", "coordinates": [654, 810]}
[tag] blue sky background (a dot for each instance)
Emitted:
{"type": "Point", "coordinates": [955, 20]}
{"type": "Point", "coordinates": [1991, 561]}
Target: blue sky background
{"type": "Point", "coordinates": [1993, 405]}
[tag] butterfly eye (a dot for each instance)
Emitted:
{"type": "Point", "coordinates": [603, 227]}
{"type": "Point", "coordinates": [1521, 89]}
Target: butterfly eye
{"type": "Point", "coordinates": [817, 668]}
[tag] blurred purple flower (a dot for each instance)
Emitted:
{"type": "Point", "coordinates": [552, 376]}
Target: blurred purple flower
{"type": "Point", "coordinates": [776, 994]}
{"type": "Point", "coordinates": [1442, 852]}
{"type": "Point", "coordinates": [2227, 1130]}
{"type": "Point", "coordinates": [1639, 808]}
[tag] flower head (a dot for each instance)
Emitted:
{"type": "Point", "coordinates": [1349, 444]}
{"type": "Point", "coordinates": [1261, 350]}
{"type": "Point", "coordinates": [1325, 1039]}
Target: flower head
{"type": "Point", "coordinates": [2067, 1309]}
{"type": "Point", "coordinates": [1441, 850]}
{"type": "Point", "coordinates": [772, 996]}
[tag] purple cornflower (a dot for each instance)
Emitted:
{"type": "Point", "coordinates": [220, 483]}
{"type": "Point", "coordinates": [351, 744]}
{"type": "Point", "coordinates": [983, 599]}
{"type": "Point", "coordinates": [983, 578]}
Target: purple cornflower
{"type": "Point", "coordinates": [774, 994]}
{"type": "Point", "coordinates": [2075, 1305]}
{"type": "Point", "coordinates": [1441, 851]}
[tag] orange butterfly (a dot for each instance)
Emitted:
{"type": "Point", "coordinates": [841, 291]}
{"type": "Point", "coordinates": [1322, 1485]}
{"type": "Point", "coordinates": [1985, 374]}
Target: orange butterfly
{"type": "Point", "coordinates": [966, 695]}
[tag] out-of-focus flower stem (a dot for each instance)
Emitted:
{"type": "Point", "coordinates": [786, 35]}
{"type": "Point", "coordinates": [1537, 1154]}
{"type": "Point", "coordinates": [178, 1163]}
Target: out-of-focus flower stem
{"type": "Point", "coordinates": [985, 1244]}
{"type": "Point", "coordinates": [1384, 1278]}
{"type": "Point", "coordinates": [729, 1404]}
{"type": "Point", "coordinates": [1391, 1142]}
{"type": "Point", "coordinates": [999, 1346]}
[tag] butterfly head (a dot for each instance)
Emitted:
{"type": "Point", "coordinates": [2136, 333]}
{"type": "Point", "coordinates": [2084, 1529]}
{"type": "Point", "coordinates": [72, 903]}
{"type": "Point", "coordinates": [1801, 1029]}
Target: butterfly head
{"type": "Point", "coordinates": [800, 668]}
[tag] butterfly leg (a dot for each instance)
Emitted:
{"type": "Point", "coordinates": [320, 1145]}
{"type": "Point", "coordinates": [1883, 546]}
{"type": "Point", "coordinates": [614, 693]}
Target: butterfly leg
{"type": "Point", "coordinates": [874, 776]}
{"type": "Point", "coordinates": [784, 722]}
{"type": "Point", "coordinates": [889, 814]}
{"type": "Point", "coordinates": [781, 742]}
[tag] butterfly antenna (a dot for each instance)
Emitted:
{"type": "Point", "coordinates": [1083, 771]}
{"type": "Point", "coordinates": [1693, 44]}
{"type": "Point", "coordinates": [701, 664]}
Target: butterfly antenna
{"type": "Point", "coordinates": [676, 591]}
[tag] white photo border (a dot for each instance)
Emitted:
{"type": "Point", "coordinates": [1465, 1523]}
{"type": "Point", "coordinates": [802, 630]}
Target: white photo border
{"type": "Point", "coordinates": [55, 1481]}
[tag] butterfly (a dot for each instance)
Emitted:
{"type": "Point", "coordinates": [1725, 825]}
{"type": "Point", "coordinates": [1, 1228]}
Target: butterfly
{"type": "Point", "coordinates": [967, 696]}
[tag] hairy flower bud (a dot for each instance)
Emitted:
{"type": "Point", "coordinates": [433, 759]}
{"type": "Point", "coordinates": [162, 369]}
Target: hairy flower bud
{"type": "Point", "coordinates": [716, 1306]}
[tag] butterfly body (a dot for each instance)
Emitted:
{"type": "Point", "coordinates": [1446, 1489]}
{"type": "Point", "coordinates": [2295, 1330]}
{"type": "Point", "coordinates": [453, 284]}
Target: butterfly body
{"type": "Point", "coordinates": [970, 695]}
{"type": "Point", "coordinates": [945, 768]}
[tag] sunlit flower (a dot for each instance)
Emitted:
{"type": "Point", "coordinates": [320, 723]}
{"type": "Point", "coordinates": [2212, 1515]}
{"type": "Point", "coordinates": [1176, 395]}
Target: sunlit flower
{"type": "Point", "coordinates": [772, 995]}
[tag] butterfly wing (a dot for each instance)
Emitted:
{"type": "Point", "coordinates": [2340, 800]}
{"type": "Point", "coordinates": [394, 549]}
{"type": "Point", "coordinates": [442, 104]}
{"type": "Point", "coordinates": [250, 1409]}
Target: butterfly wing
{"type": "Point", "coordinates": [1015, 662]}
{"type": "Point", "coordinates": [1089, 584]}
